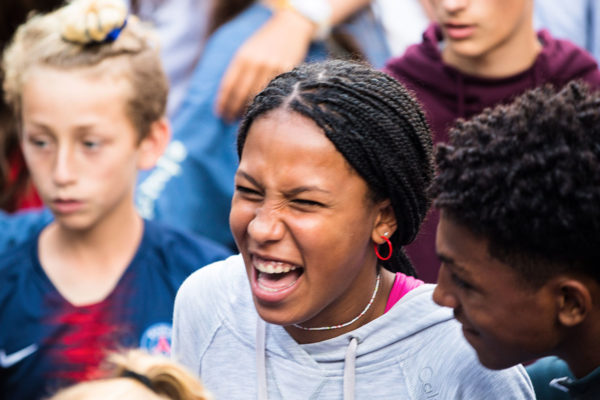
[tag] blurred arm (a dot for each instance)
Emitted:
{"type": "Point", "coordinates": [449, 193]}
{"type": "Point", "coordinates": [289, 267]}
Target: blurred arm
{"type": "Point", "coordinates": [278, 46]}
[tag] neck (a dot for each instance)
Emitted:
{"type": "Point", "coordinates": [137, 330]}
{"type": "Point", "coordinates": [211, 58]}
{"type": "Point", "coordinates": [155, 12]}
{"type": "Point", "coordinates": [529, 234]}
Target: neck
{"type": "Point", "coordinates": [582, 348]}
{"type": "Point", "coordinates": [85, 265]}
{"type": "Point", "coordinates": [376, 310]}
{"type": "Point", "coordinates": [516, 55]}
{"type": "Point", "coordinates": [105, 247]}
{"type": "Point", "coordinates": [120, 229]}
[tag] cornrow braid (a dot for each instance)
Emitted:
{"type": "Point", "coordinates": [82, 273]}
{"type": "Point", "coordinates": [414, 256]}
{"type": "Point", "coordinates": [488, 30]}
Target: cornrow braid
{"type": "Point", "coordinates": [375, 123]}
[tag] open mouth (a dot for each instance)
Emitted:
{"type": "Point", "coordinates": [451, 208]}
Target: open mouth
{"type": "Point", "coordinates": [274, 279]}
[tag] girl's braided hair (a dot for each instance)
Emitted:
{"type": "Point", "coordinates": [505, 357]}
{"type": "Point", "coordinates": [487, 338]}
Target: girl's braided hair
{"type": "Point", "coordinates": [375, 123]}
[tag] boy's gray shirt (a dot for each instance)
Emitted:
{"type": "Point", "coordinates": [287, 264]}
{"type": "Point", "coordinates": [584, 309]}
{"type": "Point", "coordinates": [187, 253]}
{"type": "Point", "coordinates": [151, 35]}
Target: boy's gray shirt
{"type": "Point", "coordinates": [414, 351]}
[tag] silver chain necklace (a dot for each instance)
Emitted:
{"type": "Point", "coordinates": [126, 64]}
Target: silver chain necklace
{"type": "Point", "coordinates": [326, 328]}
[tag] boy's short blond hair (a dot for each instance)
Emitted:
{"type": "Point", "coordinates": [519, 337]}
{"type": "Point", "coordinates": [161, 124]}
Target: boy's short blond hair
{"type": "Point", "coordinates": [133, 56]}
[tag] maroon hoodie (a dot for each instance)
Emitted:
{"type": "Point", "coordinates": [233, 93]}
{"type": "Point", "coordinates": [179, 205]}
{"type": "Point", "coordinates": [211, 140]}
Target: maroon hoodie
{"type": "Point", "coordinates": [447, 94]}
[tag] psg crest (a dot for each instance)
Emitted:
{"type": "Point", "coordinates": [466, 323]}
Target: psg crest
{"type": "Point", "coordinates": [157, 339]}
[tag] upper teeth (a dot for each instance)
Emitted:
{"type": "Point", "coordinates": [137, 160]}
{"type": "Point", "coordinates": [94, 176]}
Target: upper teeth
{"type": "Point", "coordinates": [273, 267]}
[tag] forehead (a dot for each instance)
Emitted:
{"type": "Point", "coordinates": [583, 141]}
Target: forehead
{"type": "Point", "coordinates": [74, 96]}
{"type": "Point", "coordinates": [467, 253]}
{"type": "Point", "coordinates": [287, 144]}
{"type": "Point", "coordinates": [104, 73]}
{"type": "Point", "coordinates": [281, 135]}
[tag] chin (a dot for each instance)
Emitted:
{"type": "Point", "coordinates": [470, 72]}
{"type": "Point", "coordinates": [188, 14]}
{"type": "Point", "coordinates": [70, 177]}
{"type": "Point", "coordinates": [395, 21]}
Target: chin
{"type": "Point", "coordinates": [272, 315]}
{"type": "Point", "coordinates": [495, 361]}
{"type": "Point", "coordinates": [75, 224]}
{"type": "Point", "coordinates": [468, 50]}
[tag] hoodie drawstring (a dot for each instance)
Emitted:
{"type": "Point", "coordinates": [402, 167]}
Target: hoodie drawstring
{"type": "Point", "coordinates": [261, 358]}
{"type": "Point", "coordinates": [350, 369]}
{"type": "Point", "coordinates": [261, 363]}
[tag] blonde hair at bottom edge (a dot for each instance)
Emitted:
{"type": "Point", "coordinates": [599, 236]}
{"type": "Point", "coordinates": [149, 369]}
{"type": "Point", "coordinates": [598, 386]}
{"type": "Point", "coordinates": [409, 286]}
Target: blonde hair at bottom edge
{"type": "Point", "coordinates": [168, 381]}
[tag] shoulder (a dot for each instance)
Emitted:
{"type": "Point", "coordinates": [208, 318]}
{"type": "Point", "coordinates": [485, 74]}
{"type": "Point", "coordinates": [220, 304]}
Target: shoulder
{"type": "Point", "coordinates": [17, 266]}
{"type": "Point", "coordinates": [543, 371]}
{"type": "Point", "coordinates": [419, 60]}
{"type": "Point", "coordinates": [179, 250]}
{"type": "Point", "coordinates": [205, 300]}
{"type": "Point", "coordinates": [472, 380]}
{"type": "Point", "coordinates": [441, 356]}
{"type": "Point", "coordinates": [563, 61]}
{"type": "Point", "coordinates": [18, 259]}
{"type": "Point", "coordinates": [21, 227]}
{"type": "Point", "coordinates": [213, 294]}
{"type": "Point", "coordinates": [455, 369]}
{"type": "Point", "coordinates": [213, 285]}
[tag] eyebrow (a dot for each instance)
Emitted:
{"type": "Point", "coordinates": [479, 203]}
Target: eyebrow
{"type": "Point", "coordinates": [80, 130]}
{"type": "Point", "coordinates": [84, 129]}
{"type": "Point", "coordinates": [247, 177]}
{"type": "Point", "coordinates": [450, 261]}
{"type": "Point", "coordinates": [301, 189]}
{"type": "Point", "coordinates": [41, 126]}
{"type": "Point", "coordinates": [293, 192]}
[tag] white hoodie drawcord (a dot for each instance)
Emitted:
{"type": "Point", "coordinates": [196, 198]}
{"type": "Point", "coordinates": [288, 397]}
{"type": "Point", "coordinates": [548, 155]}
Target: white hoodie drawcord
{"type": "Point", "coordinates": [350, 369]}
{"type": "Point", "coordinates": [261, 367]}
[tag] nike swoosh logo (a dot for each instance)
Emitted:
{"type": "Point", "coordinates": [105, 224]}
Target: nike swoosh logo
{"type": "Point", "coordinates": [8, 360]}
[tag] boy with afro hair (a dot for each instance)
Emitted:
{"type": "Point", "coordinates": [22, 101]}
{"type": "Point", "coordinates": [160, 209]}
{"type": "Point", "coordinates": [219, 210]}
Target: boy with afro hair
{"type": "Point", "coordinates": [518, 191]}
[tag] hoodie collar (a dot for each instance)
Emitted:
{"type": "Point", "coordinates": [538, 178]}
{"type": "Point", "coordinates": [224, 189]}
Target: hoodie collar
{"type": "Point", "coordinates": [363, 346]}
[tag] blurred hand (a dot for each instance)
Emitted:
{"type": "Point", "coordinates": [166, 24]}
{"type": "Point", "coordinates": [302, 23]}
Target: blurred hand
{"type": "Point", "coordinates": [278, 46]}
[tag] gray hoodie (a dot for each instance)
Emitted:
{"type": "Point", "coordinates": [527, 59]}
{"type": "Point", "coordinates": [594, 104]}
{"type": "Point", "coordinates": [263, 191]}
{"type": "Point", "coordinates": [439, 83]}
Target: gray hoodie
{"type": "Point", "coordinates": [414, 351]}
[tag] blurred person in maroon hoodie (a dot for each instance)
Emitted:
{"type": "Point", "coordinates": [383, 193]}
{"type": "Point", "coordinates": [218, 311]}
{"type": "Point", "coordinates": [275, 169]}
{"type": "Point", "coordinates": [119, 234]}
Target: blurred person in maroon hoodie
{"type": "Point", "coordinates": [480, 53]}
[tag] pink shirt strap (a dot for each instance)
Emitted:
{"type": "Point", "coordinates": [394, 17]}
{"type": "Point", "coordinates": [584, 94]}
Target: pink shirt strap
{"type": "Point", "coordinates": [402, 285]}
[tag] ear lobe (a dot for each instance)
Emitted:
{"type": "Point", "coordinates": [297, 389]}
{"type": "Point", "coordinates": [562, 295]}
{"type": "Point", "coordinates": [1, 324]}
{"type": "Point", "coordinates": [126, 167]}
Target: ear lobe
{"type": "Point", "coordinates": [574, 302]}
{"type": "Point", "coordinates": [384, 222]}
{"type": "Point", "coordinates": [154, 145]}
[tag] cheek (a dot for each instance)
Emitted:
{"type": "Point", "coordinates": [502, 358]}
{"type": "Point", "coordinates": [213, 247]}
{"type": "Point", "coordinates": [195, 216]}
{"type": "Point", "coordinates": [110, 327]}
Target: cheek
{"type": "Point", "coordinates": [334, 246]}
{"type": "Point", "coordinates": [239, 217]}
{"type": "Point", "coordinates": [34, 156]}
{"type": "Point", "coordinates": [113, 162]}
{"type": "Point", "coordinates": [512, 326]}
{"type": "Point", "coordinates": [112, 174]}
{"type": "Point", "coordinates": [40, 168]}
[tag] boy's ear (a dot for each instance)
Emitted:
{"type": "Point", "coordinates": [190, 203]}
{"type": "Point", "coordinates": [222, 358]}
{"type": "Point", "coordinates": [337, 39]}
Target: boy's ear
{"type": "Point", "coordinates": [385, 222]}
{"type": "Point", "coordinates": [154, 144]}
{"type": "Point", "coordinates": [574, 302]}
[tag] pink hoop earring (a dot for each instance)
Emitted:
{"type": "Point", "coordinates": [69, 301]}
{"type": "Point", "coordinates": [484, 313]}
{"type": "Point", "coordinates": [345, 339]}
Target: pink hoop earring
{"type": "Point", "coordinates": [377, 250]}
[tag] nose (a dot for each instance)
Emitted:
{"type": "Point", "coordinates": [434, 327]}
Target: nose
{"type": "Point", "coordinates": [266, 226]}
{"type": "Point", "coordinates": [452, 6]}
{"type": "Point", "coordinates": [64, 172]}
{"type": "Point", "coordinates": [443, 294]}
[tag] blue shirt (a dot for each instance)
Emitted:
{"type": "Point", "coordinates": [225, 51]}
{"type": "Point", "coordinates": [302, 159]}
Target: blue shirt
{"type": "Point", "coordinates": [47, 343]}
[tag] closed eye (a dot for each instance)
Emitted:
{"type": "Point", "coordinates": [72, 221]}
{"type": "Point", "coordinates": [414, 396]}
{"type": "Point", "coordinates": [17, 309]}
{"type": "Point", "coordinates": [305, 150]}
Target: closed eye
{"type": "Point", "coordinates": [459, 282]}
{"type": "Point", "coordinates": [309, 203]}
{"type": "Point", "coordinates": [244, 190]}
